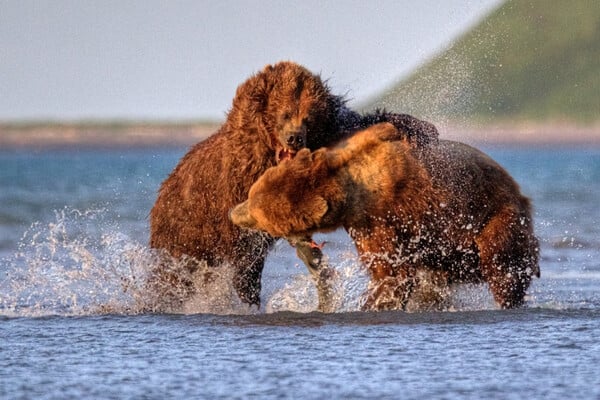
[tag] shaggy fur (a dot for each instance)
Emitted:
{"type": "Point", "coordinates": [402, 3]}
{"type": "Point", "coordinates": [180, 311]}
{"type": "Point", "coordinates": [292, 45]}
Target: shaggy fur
{"type": "Point", "coordinates": [445, 207]}
{"type": "Point", "coordinates": [275, 113]}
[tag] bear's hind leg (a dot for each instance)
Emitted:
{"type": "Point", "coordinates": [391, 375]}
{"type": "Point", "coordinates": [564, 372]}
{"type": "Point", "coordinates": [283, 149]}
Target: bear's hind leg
{"type": "Point", "coordinates": [508, 256]}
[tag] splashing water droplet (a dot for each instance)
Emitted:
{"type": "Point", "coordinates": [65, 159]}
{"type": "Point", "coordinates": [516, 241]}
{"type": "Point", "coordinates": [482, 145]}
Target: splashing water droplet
{"type": "Point", "coordinates": [81, 263]}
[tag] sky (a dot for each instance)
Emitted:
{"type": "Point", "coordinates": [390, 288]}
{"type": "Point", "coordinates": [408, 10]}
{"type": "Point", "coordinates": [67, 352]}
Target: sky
{"type": "Point", "coordinates": [182, 60]}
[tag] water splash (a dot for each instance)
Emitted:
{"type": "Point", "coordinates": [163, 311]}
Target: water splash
{"type": "Point", "coordinates": [349, 283]}
{"type": "Point", "coordinates": [54, 269]}
{"type": "Point", "coordinates": [81, 263]}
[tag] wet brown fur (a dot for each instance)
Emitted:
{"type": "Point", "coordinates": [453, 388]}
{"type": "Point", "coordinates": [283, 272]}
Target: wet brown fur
{"type": "Point", "coordinates": [445, 207]}
{"type": "Point", "coordinates": [190, 214]}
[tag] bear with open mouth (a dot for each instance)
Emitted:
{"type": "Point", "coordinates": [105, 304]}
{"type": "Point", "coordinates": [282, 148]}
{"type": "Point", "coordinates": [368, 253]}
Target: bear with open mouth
{"type": "Point", "coordinates": [275, 113]}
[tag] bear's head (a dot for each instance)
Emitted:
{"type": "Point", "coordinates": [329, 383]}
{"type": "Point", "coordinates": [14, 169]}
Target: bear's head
{"type": "Point", "coordinates": [297, 197]}
{"type": "Point", "coordinates": [290, 107]}
{"type": "Point", "coordinates": [315, 191]}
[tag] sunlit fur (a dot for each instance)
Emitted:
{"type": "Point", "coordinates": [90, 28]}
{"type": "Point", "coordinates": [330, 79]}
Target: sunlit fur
{"type": "Point", "coordinates": [190, 214]}
{"type": "Point", "coordinates": [445, 207]}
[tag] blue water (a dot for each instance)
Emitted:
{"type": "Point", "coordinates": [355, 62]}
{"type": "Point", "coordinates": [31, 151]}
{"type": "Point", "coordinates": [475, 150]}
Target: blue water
{"type": "Point", "coordinates": [73, 254]}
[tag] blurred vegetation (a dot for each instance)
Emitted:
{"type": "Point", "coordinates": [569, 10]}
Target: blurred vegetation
{"type": "Point", "coordinates": [529, 60]}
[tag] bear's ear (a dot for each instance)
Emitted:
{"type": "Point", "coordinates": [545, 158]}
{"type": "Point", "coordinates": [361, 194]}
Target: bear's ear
{"type": "Point", "coordinates": [259, 95]}
{"type": "Point", "coordinates": [318, 209]}
{"type": "Point", "coordinates": [268, 68]}
{"type": "Point", "coordinates": [304, 155]}
{"type": "Point", "coordinates": [324, 159]}
{"type": "Point", "coordinates": [256, 91]}
{"type": "Point", "coordinates": [319, 157]}
{"type": "Point", "coordinates": [302, 160]}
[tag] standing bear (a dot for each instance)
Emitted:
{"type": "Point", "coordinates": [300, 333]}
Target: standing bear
{"type": "Point", "coordinates": [275, 113]}
{"type": "Point", "coordinates": [446, 207]}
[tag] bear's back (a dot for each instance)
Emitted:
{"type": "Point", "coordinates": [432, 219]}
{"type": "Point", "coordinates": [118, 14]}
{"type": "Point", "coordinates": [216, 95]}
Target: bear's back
{"type": "Point", "coordinates": [472, 177]}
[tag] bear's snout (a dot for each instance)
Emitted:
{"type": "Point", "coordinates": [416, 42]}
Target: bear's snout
{"type": "Point", "coordinates": [240, 216]}
{"type": "Point", "coordinates": [296, 140]}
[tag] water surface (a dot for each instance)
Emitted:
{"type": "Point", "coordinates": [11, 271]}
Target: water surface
{"type": "Point", "coordinates": [73, 251]}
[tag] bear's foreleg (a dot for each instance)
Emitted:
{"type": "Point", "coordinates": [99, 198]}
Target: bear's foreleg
{"type": "Point", "coordinates": [391, 284]}
{"type": "Point", "coordinates": [248, 263]}
{"type": "Point", "coordinates": [390, 293]}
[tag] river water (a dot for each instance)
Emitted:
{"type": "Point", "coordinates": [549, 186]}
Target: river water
{"type": "Point", "coordinates": [73, 253]}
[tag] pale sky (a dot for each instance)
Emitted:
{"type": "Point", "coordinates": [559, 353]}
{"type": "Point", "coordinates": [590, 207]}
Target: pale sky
{"type": "Point", "coordinates": [169, 60]}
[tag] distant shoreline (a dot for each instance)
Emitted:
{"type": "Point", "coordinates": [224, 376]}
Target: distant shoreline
{"type": "Point", "coordinates": [524, 133]}
{"type": "Point", "coordinates": [38, 136]}
{"type": "Point", "coordinates": [103, 135]}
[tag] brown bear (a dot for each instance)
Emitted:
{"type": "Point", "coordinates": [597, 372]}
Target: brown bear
{"type": "Point", "coordinates": [446, 208]}
{"type": "Point", "coordinates": [275, 113]}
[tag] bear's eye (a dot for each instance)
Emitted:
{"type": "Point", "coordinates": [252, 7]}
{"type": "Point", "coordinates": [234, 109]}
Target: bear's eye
{"type": "Point", "coordinates": [287, 115]}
